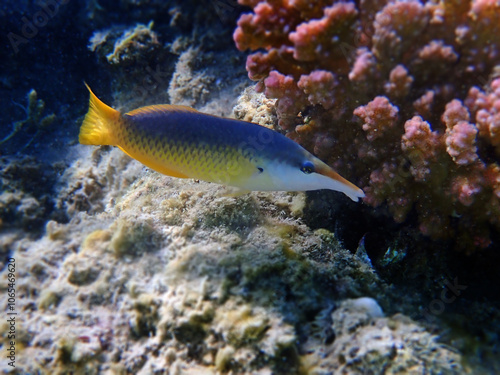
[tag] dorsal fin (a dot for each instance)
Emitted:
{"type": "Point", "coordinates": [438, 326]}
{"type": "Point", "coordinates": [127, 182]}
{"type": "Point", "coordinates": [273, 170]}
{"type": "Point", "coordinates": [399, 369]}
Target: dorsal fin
{"type": "Point", "coordinates": [157, 108]}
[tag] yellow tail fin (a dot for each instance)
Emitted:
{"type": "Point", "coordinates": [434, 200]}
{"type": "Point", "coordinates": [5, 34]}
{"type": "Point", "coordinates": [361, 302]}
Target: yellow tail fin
{"type": "Point", "coordinates": [97, 127]}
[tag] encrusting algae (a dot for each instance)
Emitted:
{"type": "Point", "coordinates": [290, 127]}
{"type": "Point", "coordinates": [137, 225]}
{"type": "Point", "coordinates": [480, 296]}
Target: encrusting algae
{"type": "Point", "coordinates": [181, 142]}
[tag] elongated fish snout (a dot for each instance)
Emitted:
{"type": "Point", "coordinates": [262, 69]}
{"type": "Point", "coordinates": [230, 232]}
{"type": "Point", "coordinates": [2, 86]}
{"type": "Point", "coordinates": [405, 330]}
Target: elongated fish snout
{"type": "Point", "coordinates": [338, 182]}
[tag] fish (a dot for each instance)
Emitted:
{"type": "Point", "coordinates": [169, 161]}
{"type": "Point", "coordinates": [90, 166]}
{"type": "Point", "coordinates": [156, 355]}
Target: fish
{"type": "Point", "coordinates": [181, 142]}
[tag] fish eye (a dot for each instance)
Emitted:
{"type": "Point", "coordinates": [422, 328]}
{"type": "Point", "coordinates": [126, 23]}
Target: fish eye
{"type": "Point", "coordinates": [307, 167]}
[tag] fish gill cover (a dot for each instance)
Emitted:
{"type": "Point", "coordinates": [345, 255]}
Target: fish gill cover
{"type": "Point", "coordinates": [113, 268]}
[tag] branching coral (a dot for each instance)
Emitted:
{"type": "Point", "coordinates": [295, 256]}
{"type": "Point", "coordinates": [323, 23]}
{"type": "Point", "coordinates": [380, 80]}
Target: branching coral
{"type": "Point", "coordinates": [400, 96]}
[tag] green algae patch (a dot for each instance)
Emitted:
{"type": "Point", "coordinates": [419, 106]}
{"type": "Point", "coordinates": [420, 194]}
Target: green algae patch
{"type": "Point", "coordinates": [223, 358]}
{"type": "Point", "coordinates": [77, 354]}
{"type": "Point", "coordinates": [83, 274]}
{"type": "Point", "coordinates": [328, 237]}
{"type": "Point", "coordinates": [49, 298]}
{"type": "Point", "coordinates": [133, 238]}
{"type": "Point", "coordinates": [55, 231]}
{"type": "Point", "coordinates": [145, 316]}
{"type": "Point", "coordinates": [243, 325]}
{"type": "Point", "coordinates": [235, 214]}
{"type": "Point", "coordinates": [96, 241]}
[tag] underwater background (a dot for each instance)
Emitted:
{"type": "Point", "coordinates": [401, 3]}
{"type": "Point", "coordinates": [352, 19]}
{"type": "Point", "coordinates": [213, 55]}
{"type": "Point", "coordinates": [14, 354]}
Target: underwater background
{"type": "Point", "coordinates": [108, 267]}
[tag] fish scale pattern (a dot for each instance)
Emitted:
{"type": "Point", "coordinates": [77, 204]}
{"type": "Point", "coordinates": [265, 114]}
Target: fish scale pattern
{"type": "Point", "coordinates": [192, 148]}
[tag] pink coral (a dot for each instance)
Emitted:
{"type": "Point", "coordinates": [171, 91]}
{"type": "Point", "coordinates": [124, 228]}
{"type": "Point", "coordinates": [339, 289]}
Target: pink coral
{"type": "Point", "coordinates": [476, 35]}
{"type": "Point", "coordinates": [487, 110]}
{"type": "Point", "coordinates": [320, 87]}
{"type": "Point", "coordinates": [400, 96]}
{"type": "Point", "coordinates": [310, 9]}
{"type": "Point", "coordinates": [379, 117]}
{"type": "Point", "coordinates": [461, 143]}
{"type": "Point", "coordinates": [269, 25]}
{"type": "Point", "coordinates": [423, 105]}
{"type": "Point", "coordinates": [399, 84]}
{"type": "Point", "coordinates": [290, 98]}
{"type": "Point", "coordinates": [465, 188]}
{"type": "Point", "coordinates": [454, 113]}
{"type": "Point", "coordinates": [364, 66]}
{"type": "Point", "coordinates": [398, 27]}
{"type": "Point", "coordinates": [435, 51]}
{"type": "Point", "coordinates": [420, 146]}
{"type": "Point", "coordinates": [320, 39]}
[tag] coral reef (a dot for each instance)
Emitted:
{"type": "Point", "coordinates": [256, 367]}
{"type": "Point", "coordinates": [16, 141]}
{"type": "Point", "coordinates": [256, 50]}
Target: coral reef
{"type": "Point", "coordinates": [129, 46]}
{"type": "Point", "coordinates": [367, 342]}
{"type": "Point", "coordinates": [82, 189]}
{"type": "Point", "coordinates": [175, 62]}
{"type": "Point", "coordinates": [255, 107]}
{"type": "Point", "coordinates": [184, 73]}
{"type": "Point", "coordinates": [197, 82]}
{"type": "Point", "coordinates": [122, 270]}
{"type": "Point", "coordinates": [162, 273]}
{"type": "Point", "coordinates": [37, 197]}
{"type": "Point", "coordinates": [399, 96]}
{"type": "Point", "coordinates": [137, 59]}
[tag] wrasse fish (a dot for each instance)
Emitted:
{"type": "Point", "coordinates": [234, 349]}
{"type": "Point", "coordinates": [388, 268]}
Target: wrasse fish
{"type": "Point", "coordinates": [181, 142]}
